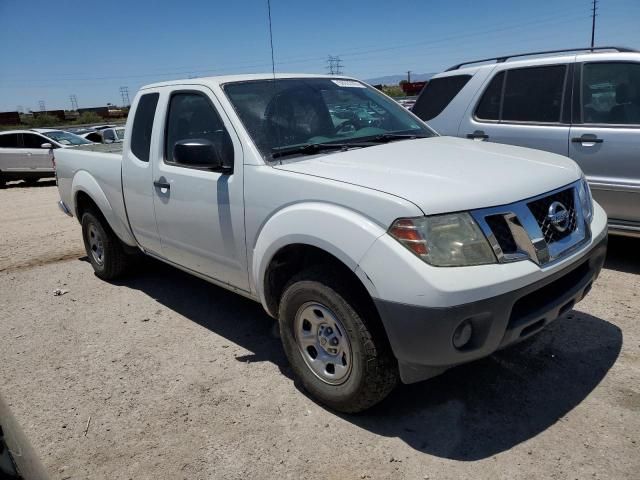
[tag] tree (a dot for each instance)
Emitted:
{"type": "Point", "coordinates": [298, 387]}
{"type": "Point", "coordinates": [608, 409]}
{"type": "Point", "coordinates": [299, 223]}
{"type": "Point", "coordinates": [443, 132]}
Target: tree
{"type": "Point", "coordinates": [89, 117]}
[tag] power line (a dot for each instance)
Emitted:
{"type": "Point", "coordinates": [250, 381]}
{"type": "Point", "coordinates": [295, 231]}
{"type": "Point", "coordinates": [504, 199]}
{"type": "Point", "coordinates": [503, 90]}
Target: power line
{"type": "Point", "coordinates": [593, 21]}
{"type": "Point", "coordinates": [42, 106]}
{"type": "Point", "coordinates": [74, 102]}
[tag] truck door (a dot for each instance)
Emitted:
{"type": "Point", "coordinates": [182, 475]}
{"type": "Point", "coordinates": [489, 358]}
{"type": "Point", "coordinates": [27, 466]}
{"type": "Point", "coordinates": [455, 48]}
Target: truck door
{"type": "Point", "coordinates": [137, 183]}
{"type": "Point", "coordinates": [199, 211]}
{"type": "Point", "coordinates": [527, 106]}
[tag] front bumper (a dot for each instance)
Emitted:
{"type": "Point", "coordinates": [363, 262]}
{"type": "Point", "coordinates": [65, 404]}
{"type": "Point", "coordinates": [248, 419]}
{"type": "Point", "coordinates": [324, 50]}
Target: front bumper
{"type": "Point", "coordinates": [422, 337]}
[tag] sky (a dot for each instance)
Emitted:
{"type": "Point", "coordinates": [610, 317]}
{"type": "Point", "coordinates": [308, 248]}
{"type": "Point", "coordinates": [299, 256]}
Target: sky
{"type": "Point", "coordinates": [52, 49]}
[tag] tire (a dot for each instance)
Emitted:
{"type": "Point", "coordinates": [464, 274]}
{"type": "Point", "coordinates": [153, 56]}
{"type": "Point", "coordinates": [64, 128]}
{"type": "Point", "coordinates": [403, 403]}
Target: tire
{"type": "Point", "coordinates": [318, 304]}
{"type": "Point", "coordinates": [103, 247]}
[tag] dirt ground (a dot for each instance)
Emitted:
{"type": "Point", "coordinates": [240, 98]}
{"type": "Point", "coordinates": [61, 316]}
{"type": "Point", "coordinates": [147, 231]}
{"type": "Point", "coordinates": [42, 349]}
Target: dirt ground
{"type": "Point", "coordinates": [183, 380]}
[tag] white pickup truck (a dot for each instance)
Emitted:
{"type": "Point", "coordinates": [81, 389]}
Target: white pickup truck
{"type": "Point", "coordinates": [385, 251]}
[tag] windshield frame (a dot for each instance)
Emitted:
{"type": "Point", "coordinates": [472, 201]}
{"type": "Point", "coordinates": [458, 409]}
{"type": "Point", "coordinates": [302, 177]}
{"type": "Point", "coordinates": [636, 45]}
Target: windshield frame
{"type": "Point", "coordinates": [424, 132]}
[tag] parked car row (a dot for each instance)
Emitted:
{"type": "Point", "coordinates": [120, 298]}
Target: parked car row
{"type": "Point", "coordinates": [27, 154]}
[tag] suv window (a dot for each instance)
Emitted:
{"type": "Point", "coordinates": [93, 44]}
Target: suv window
{"type": "Point", "coordinates": [437, 94]}
{"type": "Point", "coordinates": [143, 125]}
{"type": "Point", "coordinates": [31, 140]}
{"type": "Point", "coordinates": [192, 116]}
{"type": "Point", "coordinates": [611, 93]}
{"type": "Point", "coordinates": [531, 94]}
{"type": "Point", "coordinates": [9, 140]}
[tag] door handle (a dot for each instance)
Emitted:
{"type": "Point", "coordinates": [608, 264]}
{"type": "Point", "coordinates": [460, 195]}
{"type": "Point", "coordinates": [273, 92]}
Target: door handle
{"type": "Point", "coordinates": [162, 184]}
{"type": "Point", "coordinates": [478, 134]}
{"type": "Point", "coordinates": [587, 139]}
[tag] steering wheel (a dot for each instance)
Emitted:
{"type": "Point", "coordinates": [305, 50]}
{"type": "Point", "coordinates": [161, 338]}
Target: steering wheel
{"type": "Point", "coordinates": [342, 127]}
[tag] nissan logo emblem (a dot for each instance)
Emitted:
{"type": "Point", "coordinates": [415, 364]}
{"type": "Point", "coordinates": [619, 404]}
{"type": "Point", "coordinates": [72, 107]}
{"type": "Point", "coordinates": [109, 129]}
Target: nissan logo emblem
{"type": "Point", "coordinates": [558, 216]}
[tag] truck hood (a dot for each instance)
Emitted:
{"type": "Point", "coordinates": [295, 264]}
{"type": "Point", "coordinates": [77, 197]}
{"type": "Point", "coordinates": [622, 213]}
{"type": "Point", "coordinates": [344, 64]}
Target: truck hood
{"type": "Point", "coordinates": [445, 174]}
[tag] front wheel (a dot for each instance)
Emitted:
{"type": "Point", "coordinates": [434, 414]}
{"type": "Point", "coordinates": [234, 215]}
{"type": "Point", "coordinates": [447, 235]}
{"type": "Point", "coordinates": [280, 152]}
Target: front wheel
{"type": "Point", "coordinates": [103, 247]}
{"type": "Point", "coordinates": [333, 345]}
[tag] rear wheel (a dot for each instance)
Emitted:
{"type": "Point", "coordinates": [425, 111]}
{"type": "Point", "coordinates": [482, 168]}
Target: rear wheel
{"type": "Point", "coordinates": [103, 247]}
{"type": "Point", "coordinates": [333, 345]}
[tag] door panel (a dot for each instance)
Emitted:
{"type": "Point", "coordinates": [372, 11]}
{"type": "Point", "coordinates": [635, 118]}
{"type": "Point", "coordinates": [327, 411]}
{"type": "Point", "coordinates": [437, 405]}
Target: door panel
{"type": "Point", "coordinates": [522, 106]}
{"type": "Point", "coordinates": [605, 136]}
{"type": "Point", "coordinates": [137, 173]}
{"type": "Point", "coordinates": [199, 212]}
{"type": "Point", "coordinates": [38, 158]}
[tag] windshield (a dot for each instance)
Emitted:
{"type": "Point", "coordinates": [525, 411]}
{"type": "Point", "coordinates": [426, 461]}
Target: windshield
{"type": "Point", "coordinates": [301, 111]}
{"type": "Point", "coordinates": [66, 138]}
{"type": "Point", "coordinates": [120, 133]}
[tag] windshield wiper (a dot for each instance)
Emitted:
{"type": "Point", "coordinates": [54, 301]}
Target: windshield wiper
{"type": "Point", "coordinates": [308, 149]}
{"type": "Point", "coordinates": [389, 137]}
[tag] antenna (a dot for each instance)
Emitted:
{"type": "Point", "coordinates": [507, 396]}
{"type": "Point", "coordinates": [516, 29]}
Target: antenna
{"type": "Point", "coordinates": [273, 63]}
{"type": "Point", "coordinates": [593, 22]}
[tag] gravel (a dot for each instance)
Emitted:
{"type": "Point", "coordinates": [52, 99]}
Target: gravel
{"type": "Point", "coordinates": [174, 378]}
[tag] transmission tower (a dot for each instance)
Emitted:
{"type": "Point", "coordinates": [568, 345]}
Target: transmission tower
{"type": "Point", "coordinates": [74, 102]}
{"type": "Point", "coordinates": [43, 108]}
{"type": "Point", "coordinates": [334, 65]}
{"type": "Point", "coordinates": [124, 93]}
{"type": "Point", "coordinates": [594, 8]}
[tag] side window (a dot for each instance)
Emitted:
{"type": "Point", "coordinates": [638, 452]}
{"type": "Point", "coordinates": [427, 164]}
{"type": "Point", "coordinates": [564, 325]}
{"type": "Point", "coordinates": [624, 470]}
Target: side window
{"type": "Point", "coordinates": [489, 106]}
{"type": "Point", "coordinates": [95, 137]}
{"type": "Point", "coordinates": [611, 93]}
{"type": "Point", "coordinates": [143, 125]}
{"type": "Point", "coordinates": [437, 94]}
{"type": "Point", "coordinates": [9, 140]}
{"type": "Point", "coordinates": [531, 94]}
{"type": "Point", "coordinates": [31, 140]}
{"type": "Point", "coordinates": [109, 135]}
{"type": "Point", "coordinates": [191, 116]}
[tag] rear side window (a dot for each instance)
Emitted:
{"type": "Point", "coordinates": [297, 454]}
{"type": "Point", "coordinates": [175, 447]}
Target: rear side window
{"type": "Point", "coordinates": [437, 94]}
{"type": "Point", "coordinates": [524, 95]}
{"type": "Point", "coordinates": [31, 140]}
{"type": "Point", "coordinates": [143, 125]}
{"type": "Point", "coordinates": [9, 140]}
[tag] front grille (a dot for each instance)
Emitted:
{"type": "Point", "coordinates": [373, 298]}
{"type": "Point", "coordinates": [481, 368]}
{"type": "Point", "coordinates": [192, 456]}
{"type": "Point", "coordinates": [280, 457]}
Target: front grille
{"type": "Point", "coordinates": [540, 210]}
{"type": "Point", "coordinates": [500, 229]}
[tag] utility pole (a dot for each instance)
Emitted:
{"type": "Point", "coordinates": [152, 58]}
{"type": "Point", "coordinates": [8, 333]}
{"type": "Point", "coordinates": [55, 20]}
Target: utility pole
{"type": "Point", "coordinates": [409, 76]}
{"type": "Point", "coordinates": [74, 102]}
{"type": "Point", "coordinates": [334, 65]}
{"type": "Point", "coordinates": [43, 108]}
{"type": "Point", "coordinates": [593, 22]}
{"type": "Point", "coordinates": [124, 93]}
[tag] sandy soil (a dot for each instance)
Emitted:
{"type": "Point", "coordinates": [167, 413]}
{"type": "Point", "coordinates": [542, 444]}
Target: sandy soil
{"type": "Point", "coordinates": [182, 379]}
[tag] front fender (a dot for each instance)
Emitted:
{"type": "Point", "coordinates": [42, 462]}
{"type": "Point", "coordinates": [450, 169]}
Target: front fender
{"type": "Point", "coordinates": [83, 181]}
{"type": "Point", "coordinates": [345, 234]}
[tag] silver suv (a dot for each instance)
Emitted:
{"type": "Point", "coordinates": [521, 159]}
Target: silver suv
{"type": "Point", "coordinates": [584, 104]}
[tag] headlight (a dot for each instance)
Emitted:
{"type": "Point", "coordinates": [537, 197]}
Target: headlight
{"type": "Point", "coordinates": [451, 240]}
{"type": "Point", "coordinates": [586, 201]}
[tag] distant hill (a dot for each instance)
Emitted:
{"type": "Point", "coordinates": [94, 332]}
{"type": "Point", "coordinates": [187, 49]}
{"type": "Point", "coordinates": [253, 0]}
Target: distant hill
{"type": "Point", "coordinates": [395, 79]}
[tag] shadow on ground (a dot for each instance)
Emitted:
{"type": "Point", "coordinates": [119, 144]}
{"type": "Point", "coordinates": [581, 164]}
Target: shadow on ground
{"type": "Point", "coordinates": [471, 412]}
{"type": "Point", "coordinates": [49, 182]}
{"type": "Point", "coordinates": [623, 254]}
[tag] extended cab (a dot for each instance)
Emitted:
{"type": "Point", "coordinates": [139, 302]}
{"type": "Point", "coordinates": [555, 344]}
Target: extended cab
{"type": "Point", "coordinates": [385, 251]}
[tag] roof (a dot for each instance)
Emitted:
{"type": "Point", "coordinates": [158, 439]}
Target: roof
{"type": "Point", "coordinates": [221, 79]}
{"type": "Point", "coordinates": [45, 130]}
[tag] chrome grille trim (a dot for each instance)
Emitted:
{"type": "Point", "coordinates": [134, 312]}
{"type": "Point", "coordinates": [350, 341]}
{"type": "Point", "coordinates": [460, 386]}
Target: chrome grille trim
{"type": "Point", "coordinates": [527, 232]}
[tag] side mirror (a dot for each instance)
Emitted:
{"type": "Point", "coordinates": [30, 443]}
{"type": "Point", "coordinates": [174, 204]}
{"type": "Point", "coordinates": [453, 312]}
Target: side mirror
{"type": "Point", "coordinates": [197, 152]}
{"type": "Point", "coordinates": [46, 145]}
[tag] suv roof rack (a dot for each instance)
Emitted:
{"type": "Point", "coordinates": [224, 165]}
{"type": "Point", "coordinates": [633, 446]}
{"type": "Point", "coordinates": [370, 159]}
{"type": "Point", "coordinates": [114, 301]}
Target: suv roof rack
{"type": "Point", "coordinates": [545, 52]}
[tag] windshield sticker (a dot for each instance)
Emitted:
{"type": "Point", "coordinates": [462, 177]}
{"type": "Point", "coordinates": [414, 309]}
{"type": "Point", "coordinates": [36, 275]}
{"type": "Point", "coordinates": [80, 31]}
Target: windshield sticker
{"type": "Point", "coordinates": [348, 83]}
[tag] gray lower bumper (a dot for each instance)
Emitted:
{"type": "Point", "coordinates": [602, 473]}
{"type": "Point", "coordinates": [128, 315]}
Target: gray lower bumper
{"type": "Point", "coordinates": [422, 337]}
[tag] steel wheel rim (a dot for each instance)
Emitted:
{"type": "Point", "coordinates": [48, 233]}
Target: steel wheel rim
{"type": "Point", "coordinates": [96, 245]}
{"type": "Point", "coordinates": [323, 343]}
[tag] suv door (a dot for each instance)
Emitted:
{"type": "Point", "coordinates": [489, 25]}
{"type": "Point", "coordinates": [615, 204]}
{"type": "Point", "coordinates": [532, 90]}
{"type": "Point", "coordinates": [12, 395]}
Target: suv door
{"type": "Point", "coordinates": [605, 135]}
{"type": "Point", "coordinates": [38, 158]}
{"type": "Point", "coordinates": [199, 211]}
{"type": "Point", "coordinates": [525, 106]}
{"type": "Point", "coordinates": [10, 154]}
